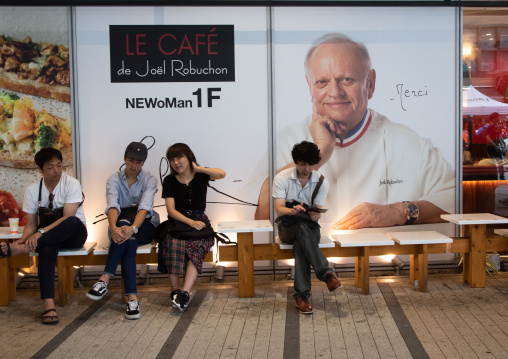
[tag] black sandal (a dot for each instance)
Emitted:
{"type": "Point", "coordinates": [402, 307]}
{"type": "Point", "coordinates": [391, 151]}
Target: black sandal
{"type": "Point", "coordinates": [2, 254]}
{"type": "Point", "coordinates": [49, 319]}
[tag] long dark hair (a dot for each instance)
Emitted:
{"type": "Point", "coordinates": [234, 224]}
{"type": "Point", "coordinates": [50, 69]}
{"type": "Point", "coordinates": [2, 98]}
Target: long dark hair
{"type": "Point", "coordinates": [177, 150]}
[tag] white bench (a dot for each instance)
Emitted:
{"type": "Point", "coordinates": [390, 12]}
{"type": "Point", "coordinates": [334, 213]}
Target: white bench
{"type": "Point", "coordinates": [324, 242]}
{"type": "Point", "coordinates": [142, 249]}
{"type": "Point", "coordinates": [67, 258]}
{"type": "Point", "coordinates": [419, 261]}
{"type": "Point", "coordinates": [364, 241]}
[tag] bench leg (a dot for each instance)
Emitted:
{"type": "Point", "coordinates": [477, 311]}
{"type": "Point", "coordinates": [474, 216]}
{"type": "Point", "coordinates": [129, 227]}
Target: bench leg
{"type": "Point", "coordinates": [466, 259]}
{"type": "Point", "coordinates": [5, 282]}
{"type": "Point", "coordinates": [466, 267]}
{"type": "Point", "coordinates": [478, 255]}
{"type": "Point", "coordinates": [422, 267]}
{"type": "Point", "coordinates": [413, 268]}
{"type": "Point", "coordinates": [357, 272]}
{"type": "Point", "coordinates": [245, 247]}
{"type": "Point", "coordinates": [363, 270]}
{"type": "Point", "coordinates": [62, 281]}
{"type": "Point", "coordinates": [12, 283]}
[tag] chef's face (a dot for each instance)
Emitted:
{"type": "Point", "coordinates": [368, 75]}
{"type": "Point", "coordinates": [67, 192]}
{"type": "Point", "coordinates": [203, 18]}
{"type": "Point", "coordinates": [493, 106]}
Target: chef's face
{"type": "Point", "coordinates": [340, 84]}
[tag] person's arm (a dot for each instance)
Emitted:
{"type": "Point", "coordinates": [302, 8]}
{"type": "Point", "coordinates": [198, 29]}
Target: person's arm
{"type": "Point", "coordinates": [32, 220]}
{"type": "Point", "coordinates": [128, 231]}
{"type": "Point", "coordinates": [173, 213]}
{"type": "Point", "coordinates": [112, 195]}
{"type": "Point", "coordinates": [69, 210]}
{"type": "Point", "coordinates": [214, 173]}
{"type": "Point", "coordinates": [263, 208]}
{"type": "Point", "coordinates": [279, 205]}
{"type": "Point", "coordinates": [373, 215]}
{"type": "Point", "coordinates": [147, 198]}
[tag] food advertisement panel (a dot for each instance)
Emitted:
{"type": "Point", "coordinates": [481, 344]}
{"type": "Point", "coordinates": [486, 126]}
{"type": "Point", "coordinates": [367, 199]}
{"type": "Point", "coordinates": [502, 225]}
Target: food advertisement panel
{"type": "Point", "coordinates": [35, 101]}
{"type": "Point", "coordinates": [195, 75]}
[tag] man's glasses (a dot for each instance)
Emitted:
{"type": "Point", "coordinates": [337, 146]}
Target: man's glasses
{"type": "Point", "coordinates": [51, 197]}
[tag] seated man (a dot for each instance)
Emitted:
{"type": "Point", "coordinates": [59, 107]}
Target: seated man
{"type": "Point", "coordinates": [294, 190]}
{"type": "Point", "coordinates": [55, 219]}
{"type": "Point", "coordinates": [132, 221]}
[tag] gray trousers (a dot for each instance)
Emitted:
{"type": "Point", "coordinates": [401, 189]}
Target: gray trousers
{"type": "Point", "coordinates": [305, 241]}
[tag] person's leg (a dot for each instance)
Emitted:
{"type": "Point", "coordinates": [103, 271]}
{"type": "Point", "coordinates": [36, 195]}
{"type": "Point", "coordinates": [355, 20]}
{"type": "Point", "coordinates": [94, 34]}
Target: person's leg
{"type": "Point", "coordinates": [46, 270]}
{"type": "Point", "coordinates": [145, 232]}
{"type": "Point", "coordinates": [191, 274]}
{"type": "Point", "coordinates": [144, 236]}
{"type": "Point", "coordinates": [174, 281]}
{"type": "Point", "coordinates": [46, 273]}
{"type": "Point", "coordinates": [174, 259]}
{"type": "Point", "coordinates": [307, 244]}
{"type": "Point", "coordinates": [69, 234]}
{"type": "Point", "coordinates": [291, 235]}
{"type": "Point", "coordinates": [115, 253]}
{"type": "Point", "coordinates": [16, 249]}
{"type": "Point", "coordinates": [129, 268]}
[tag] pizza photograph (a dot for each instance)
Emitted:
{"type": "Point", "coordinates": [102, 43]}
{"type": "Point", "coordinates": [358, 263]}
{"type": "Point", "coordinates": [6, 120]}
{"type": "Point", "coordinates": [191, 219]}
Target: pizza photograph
{"type": "Point", "coordinates": [35, 93]}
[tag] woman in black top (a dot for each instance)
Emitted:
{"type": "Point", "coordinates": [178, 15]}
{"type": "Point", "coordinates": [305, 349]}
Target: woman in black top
{"type": "Point", "coordinates": [184, 191]}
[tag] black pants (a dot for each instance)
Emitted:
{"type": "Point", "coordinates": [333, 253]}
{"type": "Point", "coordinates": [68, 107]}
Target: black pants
{"type": "Point", "coordinates": [305, 241]}
{"type": "Point", "coordinates": [69, 234]}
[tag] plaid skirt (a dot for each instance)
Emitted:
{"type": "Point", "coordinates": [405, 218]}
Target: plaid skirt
{"type": "Point", "coordinates": [177, 251]}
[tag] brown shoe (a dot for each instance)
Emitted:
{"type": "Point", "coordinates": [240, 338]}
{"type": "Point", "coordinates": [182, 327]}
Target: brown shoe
{"type": "Point", "coordinates": [303, 305]}
{"type": "Point", "coordinates": [332, 282]}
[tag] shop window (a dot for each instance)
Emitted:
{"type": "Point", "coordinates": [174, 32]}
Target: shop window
{"type": "Point", "coordinates": [485, 111]}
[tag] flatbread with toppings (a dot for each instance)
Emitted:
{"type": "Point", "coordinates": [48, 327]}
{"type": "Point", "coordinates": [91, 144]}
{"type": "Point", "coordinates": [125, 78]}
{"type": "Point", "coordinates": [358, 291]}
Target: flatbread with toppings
{"type": "Point", "coordinates": [39, 69]}
{"type": "Point", "coordinates": [24, 130]}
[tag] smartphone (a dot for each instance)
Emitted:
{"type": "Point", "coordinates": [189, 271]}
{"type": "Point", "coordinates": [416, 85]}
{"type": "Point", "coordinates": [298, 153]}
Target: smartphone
{"type": "Point", "coordinates": [315, 209]}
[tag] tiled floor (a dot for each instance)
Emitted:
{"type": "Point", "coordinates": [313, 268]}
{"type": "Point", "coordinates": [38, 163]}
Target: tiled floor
{"type": "Point", "coordinates": [394, 321]}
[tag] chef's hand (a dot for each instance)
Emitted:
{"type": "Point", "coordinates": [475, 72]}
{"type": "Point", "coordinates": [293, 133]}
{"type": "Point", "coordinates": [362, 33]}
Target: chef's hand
{"type": "Point", "coordinates": [372, 215]}
{"type": "Point", "coordinates": [323, 129]}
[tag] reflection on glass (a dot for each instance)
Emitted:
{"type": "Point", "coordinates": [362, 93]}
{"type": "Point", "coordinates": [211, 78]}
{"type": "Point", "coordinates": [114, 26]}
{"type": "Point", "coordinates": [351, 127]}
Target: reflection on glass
{"type": "Point", "coordinates": [485, 110]}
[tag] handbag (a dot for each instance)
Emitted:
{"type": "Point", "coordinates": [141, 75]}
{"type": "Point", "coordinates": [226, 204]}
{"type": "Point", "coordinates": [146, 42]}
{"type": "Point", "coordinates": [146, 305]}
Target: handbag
{"type": "Point", "coordinates": [128, 213]}
{"type": "Point", "coordinates": [47, 215]}
{"type": "Point", "coordinates": [289, 220]}
{"type": "Point", "coordinates": [183, 231]}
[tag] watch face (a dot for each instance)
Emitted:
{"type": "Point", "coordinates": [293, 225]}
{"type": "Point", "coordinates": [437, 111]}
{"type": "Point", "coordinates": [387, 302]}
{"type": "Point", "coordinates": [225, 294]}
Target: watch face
{"type": "Point", "coordinates": [412, 210]}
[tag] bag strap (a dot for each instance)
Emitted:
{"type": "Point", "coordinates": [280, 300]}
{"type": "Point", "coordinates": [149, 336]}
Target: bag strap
{"type": "Point", "coordinates": [316, 190]}
{"type": "Point", "coordinates": [40, 190]}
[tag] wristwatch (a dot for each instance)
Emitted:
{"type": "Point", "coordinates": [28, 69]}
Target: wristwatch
{"type": "Point", "coordinates": [41, 230]}
{"type": "Point", "coordinates": [135, 229]}
{"type": "Point", "coordinates": [412, 212]}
